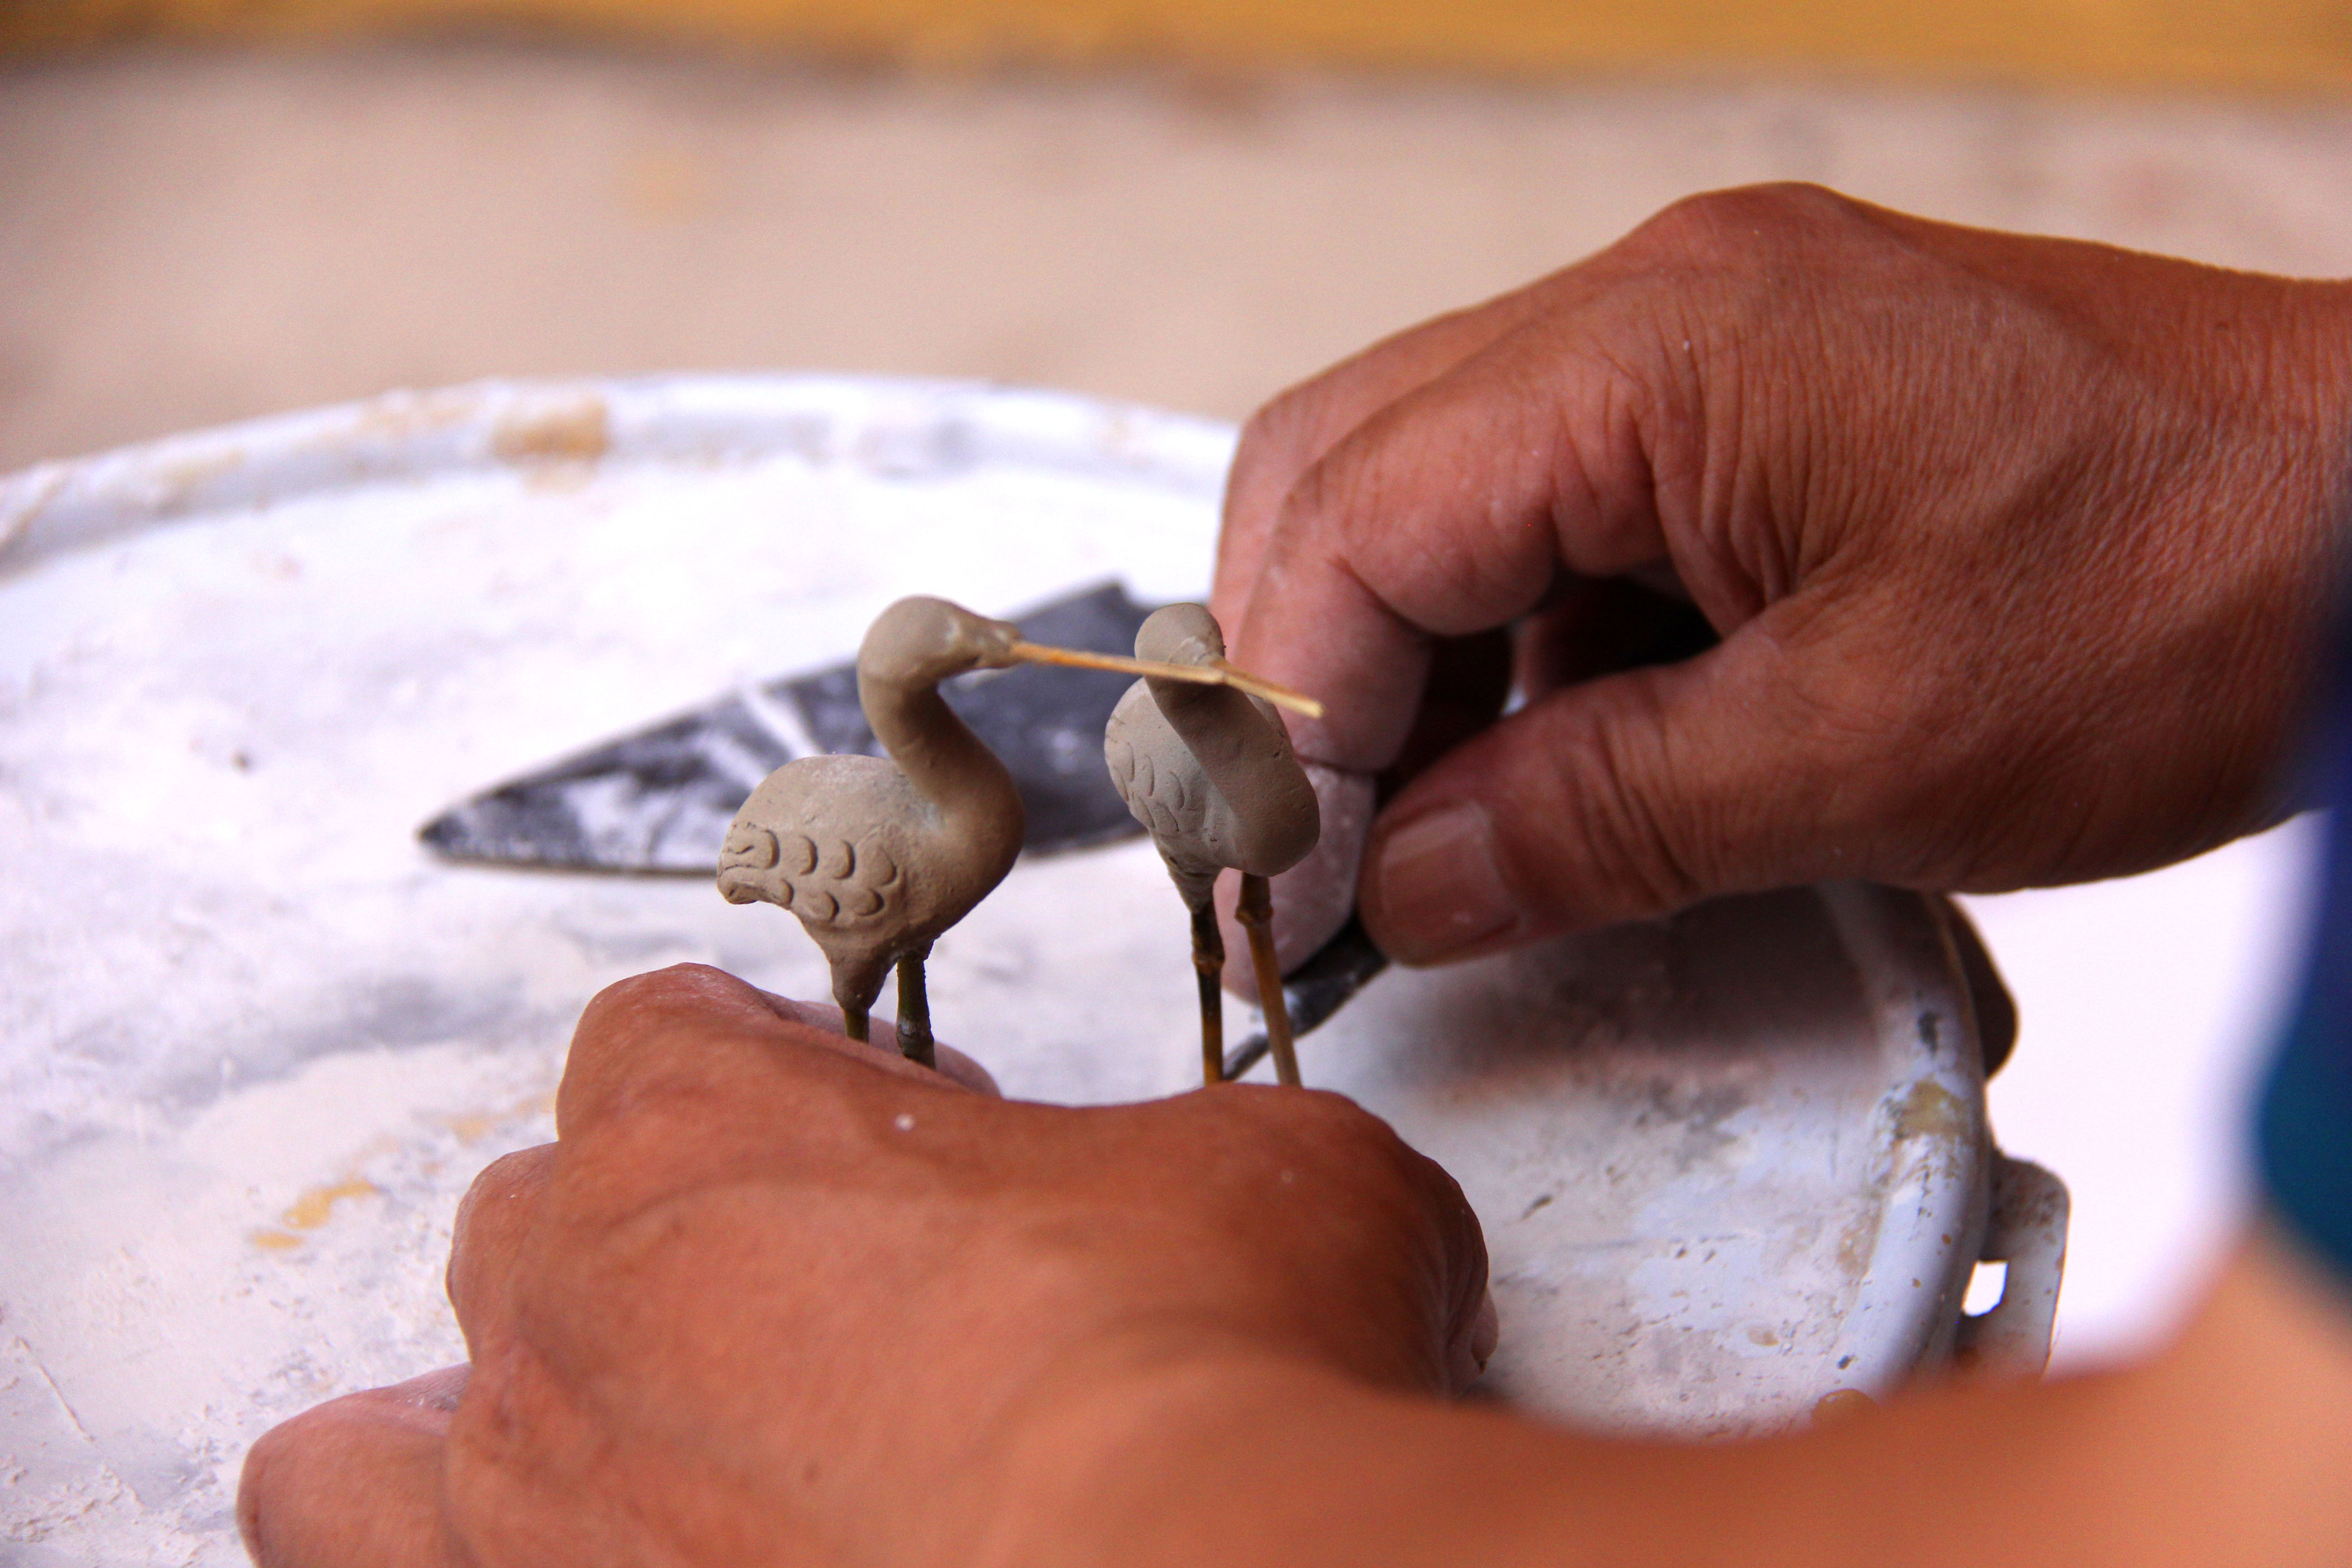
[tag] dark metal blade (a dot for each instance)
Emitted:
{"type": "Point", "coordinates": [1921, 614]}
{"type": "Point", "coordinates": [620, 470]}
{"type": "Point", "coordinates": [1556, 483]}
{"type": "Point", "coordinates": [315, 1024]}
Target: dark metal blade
{"type": "Point", "coordinates": [1317, 989]}
{"type": "Point", "coordinates": [661, 799]}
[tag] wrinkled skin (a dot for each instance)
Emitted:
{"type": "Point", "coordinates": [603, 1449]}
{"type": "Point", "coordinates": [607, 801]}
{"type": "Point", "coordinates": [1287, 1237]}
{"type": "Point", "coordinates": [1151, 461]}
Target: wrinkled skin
{"type": "Point", "coordinates": [2014, 546]}
{"type": "Point", "coordinates": [741, 1315]}
{"type": "Point", "coordinates": [744, 1310]}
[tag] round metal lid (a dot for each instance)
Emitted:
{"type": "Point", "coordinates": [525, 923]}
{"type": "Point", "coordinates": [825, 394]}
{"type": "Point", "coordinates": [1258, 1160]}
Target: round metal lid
{"type": "Point", "coordinates": [257, 1040]}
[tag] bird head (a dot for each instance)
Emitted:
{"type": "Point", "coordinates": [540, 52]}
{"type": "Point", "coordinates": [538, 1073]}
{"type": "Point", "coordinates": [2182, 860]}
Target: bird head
{"type": "Point", "coordinates": [921, 641]}
{"type": "Point", "coordinates": [1180, 633]}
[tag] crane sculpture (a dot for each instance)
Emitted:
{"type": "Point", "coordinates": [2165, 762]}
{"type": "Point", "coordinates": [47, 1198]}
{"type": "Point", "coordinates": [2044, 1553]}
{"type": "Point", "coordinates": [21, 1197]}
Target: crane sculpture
{"type": "Point", "coordinates": [878, 857]}
{"type": "Point", "coordinates": [1209, 772]}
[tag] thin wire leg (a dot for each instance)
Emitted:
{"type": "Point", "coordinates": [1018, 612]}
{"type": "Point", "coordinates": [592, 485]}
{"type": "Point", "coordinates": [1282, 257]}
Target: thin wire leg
{"type": "Point", "coordinates": [1256, 914]}
{"type": "Point", "coordinates": [915, 1012]}
{"type": "Point", "coordinates": [1209, 967]}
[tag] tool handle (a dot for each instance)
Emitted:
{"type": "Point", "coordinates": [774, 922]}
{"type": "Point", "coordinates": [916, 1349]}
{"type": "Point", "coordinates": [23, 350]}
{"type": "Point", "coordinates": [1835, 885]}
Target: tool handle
{"type": "Point", "coordinates": [2027, 1231]}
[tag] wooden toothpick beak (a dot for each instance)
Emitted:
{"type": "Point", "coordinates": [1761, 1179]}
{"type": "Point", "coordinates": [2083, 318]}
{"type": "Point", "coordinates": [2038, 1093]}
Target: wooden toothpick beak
{"type": "Point", "coordinates": [1258, 686]}
{"type": "Point", "coordinates": [1215, 673]}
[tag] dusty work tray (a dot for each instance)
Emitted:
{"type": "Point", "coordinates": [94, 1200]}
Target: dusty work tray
{"type": "Point", "coordinates": [255, 1040]}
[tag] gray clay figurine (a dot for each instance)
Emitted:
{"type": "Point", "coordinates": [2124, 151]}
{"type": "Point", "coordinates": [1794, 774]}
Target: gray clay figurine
{"type": "Point", "coordinates": [1208, 770]}
{"type": "Point", "coordinates": [879, 858]}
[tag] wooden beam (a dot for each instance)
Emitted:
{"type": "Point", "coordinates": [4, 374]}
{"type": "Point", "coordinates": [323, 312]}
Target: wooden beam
{"type": "Point", "coordinates": [2227, 43]}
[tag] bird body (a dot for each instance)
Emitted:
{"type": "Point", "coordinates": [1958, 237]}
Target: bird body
{"type": "Point", "coordinates": [848, 827]}
{"type": "Point", "coordinates": [1207, 770]}
{"type": "Point", "coordinates": [877, 858]}
{"type": "Point", "coordinates": [1210, 774]}
{"type": "Point", "coordinates": [1174, 796]}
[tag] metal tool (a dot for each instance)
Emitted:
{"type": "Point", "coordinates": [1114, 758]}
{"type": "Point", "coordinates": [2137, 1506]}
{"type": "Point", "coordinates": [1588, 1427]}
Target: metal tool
{"type": "Point", "coordinates": [1317, 989]}
{"type": "Point", "coordinates": [661, 799]}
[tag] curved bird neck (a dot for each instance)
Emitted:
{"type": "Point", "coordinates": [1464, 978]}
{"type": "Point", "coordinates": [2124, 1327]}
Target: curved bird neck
{"type": "Point", "coordinates": [1224, 731]}
{"type": "Point", "coordinates": [946, 762]}
{"type": "Point", "coordinates": [1242, 749]}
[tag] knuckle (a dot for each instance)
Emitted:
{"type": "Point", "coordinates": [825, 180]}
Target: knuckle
{"type": "Point", "coordinates": [607, 1045]}
{"type": "Point", "coordinates": [1348, 505]}
{"type": "Point", "coordinates": [639, 1027]}
{"type": "Point", "coordinates": [508, 1177]}
{"type": "Point", "coordinates": [1335, 1116]}
{"type": "Point", "coordinates": [1318, 497]}
{"type": "Point", "coordinates": [1282, 447]}
{"type": "Point", "coordinates": [1732, 222]}
{"type": "Point", "coordinates": [1277, 437]}
{"type": "Point", "coordinates": [488, 1214]}
{"type": "Point", "coordinates": [1266, 462]}
{"type": "Point", "coordinates": [1693, 228]}
{"type": "Point", "coordinates": [301, 1468]}
{"type": "Point", "coordinates": [681, 985]}
{"type": "Point", "coordinates": [257, 1490]}
{"type": "Point", "coordinates": [1410, 1200]}
{"type": "Point", "coordinates": [1345, 1135]}
{"type": "Point", "coordinates": [1717, 267]}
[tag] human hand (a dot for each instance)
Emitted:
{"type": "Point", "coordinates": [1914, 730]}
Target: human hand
{"type": "Point", "coordinates": [777, 1296]}
{"type": "Point", "coordinates": [2015, 547]}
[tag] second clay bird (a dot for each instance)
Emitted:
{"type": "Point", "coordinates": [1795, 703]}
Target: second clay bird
{"type": "Point", "coordinates": [878, 857]}
{"type": "Point", "coordinates": [1209, 772]}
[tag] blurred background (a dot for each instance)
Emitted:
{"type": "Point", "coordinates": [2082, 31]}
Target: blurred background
{"type": "Point", "coordinates": [212, 208]}
{"type": "Point", "coordinates": [215, 208]}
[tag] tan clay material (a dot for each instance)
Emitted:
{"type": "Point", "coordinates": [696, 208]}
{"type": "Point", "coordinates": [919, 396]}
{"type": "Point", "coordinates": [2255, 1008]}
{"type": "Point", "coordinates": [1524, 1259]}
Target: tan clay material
{"type": "Point", "coordinates": [878, 858]}
{"type": "Point", "coordinates": [1209, 772]}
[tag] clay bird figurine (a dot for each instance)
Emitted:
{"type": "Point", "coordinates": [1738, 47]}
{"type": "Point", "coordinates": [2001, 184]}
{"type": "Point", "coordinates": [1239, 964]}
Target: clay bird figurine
{"type": "Point", "coordinates": [879, 858]}
{"type": "Point", "coordinates": [1208, 770]}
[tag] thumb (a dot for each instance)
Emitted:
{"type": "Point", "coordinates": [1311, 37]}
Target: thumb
{"type": "Point", "coordinates": [1621, 798]}
{"type": "Point", "coordinates": [354, 1483]}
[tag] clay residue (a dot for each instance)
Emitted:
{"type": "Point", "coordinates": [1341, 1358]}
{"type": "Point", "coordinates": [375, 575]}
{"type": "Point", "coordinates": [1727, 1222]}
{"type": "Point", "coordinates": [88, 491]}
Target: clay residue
{"type": "Point", "coordinates": [1928, 1109]}
{"type": "Point", "coordinates": [579, 431]}
{"type": "Point", "coordinates": [472, 1127]}
{"type": "Point", "coordinates": [1841, 1405]}
{"type": "Point", "coordinates": [1857, 1241]}
{"type": "Point", "coordinates": [183, 479]}
{"type": "Point", "coordinates": [315, 1208]}
{"type": "Point", "coordinates": [400, 417]}
{"type": "Point", "coordinates": [311, 1210]}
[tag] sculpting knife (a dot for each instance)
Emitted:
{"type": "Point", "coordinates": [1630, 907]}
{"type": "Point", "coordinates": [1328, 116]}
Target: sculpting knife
{"type": "Point", "coordinates": [659, 798]}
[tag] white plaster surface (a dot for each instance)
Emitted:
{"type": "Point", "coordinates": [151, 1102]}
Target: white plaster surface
{"type": "Point", "coordinates": [254, 1041]}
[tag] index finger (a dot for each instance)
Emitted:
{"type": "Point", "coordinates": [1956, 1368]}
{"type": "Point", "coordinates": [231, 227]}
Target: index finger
{"type": "Point", "coordinates": [1291, 433]}
{"type": "Point", "coordinates": [1446, 514]}
{"type": "Point", "coordinates": [354, 1483]}
{"type": "Point", "coordinates": [694, 1031]}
